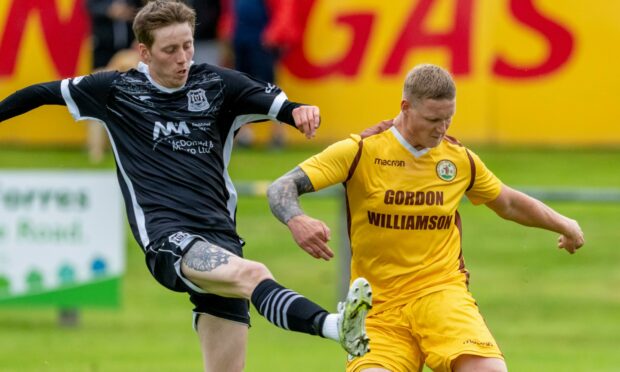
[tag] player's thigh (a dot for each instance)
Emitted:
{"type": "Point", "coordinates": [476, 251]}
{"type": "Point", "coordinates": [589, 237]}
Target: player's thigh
{"type": "Point", "coordinates": [222, 342]}
{"type": "Point", "coordinates": [473, 363]}
{"type": "Point", "coordinates": [163, 258]}
{"type": "Point", "coordinates": [449, 324]}
{"type": "Point", "coordinates": [392, 345]}
{"type": "Point", "coordinates": [217, 270]}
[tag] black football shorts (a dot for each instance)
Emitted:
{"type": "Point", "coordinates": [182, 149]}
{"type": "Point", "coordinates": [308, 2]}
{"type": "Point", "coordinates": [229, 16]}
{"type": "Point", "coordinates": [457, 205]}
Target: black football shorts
{"type": "Point", "coordinates": [163, 258]}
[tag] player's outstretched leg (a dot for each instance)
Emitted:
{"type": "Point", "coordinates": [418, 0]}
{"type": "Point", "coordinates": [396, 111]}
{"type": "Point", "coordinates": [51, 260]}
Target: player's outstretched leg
{"type": "Point", "coordinates": [352, 321]}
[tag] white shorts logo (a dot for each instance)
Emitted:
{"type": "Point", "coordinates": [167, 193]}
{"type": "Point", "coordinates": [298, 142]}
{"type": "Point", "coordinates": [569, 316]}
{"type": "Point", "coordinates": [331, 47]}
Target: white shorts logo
{"type": "Point", "coordinates": [197, 100]}
{"type": "Point", "coordinates": [180, 239]}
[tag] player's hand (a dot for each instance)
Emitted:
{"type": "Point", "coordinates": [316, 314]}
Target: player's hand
{"type": "Point", "coordinates": [307, 119]}
{"type": "Point", "coordinates": [311, 235]}
{"type": "Point", "coordinates": [572, 239]}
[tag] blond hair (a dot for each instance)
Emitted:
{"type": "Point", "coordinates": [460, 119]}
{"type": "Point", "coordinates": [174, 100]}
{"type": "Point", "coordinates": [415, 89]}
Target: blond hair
{"type": "Point", "coordinates": [161, 13]}
{"type": "Point", "coordinates": [428, 81]}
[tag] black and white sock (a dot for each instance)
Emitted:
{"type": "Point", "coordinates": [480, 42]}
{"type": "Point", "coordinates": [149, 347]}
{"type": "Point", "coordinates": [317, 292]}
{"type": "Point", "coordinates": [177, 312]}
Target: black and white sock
{"type": "Point", "coordinates": [288, 309]}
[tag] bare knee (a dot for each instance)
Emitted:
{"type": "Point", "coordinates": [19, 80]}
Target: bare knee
{"type": "Point", "coordinates": [249, 275]}
{"type": "Point", "coordinates": [467, 363]}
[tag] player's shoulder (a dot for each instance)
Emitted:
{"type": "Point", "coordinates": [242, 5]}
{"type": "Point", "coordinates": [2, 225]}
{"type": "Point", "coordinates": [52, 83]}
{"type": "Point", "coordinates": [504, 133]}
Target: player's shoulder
{"type": "Point", "coordinates": [99, 77]}
{"type": "Point", "coordinates": [379, 139]}
{"type": "Point", "coordinates": [371, 144]}
{"type": "Point", "coordinates": [202, 69]}
{"type": "Point", "coordinates": [132, 81]}
{"type": "Point", "coordinates": [130, 77]}
{"type": "Point", "coordinates": [353, 140]}
{"type": "Point", "coordinates": [98, 83]}
{"type": "Point", "coordinates": [452, 147]}
{"type": "Point", "coordinates": [204, 73]}
{"type": "Point", "coordinates": [451, 143]}
{"type": "Point", "coordinates": [348, 145]}
{"type": "Point", "coordinates": [133, 73]}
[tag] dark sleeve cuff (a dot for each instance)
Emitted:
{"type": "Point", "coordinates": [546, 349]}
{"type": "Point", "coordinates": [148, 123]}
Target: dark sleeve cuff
{"type": "Point", "coordinates": [286, 112]}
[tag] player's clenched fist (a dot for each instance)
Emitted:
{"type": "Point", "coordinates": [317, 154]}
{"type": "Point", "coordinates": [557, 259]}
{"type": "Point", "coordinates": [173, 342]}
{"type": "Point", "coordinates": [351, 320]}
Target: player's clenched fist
{"type": "Point", "coordinates": [307, 119]}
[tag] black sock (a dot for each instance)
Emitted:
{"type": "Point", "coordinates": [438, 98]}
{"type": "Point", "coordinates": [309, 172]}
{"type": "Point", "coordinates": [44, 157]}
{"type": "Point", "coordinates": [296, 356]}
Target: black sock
{"type": "Point", "coordinates": [288, 309]}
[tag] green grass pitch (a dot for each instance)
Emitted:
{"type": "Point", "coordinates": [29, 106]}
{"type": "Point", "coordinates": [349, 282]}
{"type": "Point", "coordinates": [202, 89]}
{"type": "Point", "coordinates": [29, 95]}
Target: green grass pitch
{"type": "Point", "coordinates": [548, 310]}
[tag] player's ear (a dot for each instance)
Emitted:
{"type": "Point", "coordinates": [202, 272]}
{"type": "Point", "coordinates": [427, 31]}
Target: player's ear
{"type": "Point", "coordinates": [405, 105]}
{"type": "Point", "coordinates": [145, 53]}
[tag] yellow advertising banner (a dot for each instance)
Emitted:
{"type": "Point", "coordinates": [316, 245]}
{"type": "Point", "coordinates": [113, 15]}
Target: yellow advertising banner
{"type": "Point", "coordinates": [527, 71]}
{"type": "Point", "coordinates": [42, 40]}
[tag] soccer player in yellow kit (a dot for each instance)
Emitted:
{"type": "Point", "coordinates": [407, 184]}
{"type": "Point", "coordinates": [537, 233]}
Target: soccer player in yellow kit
{"type": "Point", "coordinates": [403, 187]}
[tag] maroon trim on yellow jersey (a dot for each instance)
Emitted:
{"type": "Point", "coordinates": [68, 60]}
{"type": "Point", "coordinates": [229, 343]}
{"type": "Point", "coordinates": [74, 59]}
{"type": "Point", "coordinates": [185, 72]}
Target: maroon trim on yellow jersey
{"type": "Point", "coordinates": [457, 222]}
{"type": "Point", "coordinates": [453, 140]}
{"type": "Point", "coordinates": [354, 164]}
{"type": "Point", "coordinates": [356, 161]}
{"type": "Point", "coordinates": [472, 165]}
{"type": "Point", "coordinates": [346, 200]}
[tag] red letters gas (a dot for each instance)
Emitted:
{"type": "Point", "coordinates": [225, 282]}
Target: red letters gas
{"type": "Point", "coordinates": [64, 39]}
{"type": "Point", "coordinates": [560, 43]}
{"type": "Point", "coordinates": [413, 35]}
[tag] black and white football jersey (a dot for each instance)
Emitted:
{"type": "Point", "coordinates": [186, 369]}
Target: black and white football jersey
{"type": "Point", "coordinates": [172, 146]}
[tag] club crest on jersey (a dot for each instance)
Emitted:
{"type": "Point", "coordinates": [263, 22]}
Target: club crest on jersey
{"type": "Point", "coordinates": [197, 100]}
{"type": "Point", "coordinates": [446, 170]}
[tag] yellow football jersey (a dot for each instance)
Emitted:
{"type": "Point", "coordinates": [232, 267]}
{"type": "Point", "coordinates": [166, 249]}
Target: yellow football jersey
{"type": "Point", "coordinates": [404, 227]}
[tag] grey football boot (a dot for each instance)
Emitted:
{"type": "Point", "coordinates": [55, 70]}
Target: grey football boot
{"type": "Point", "coordinates": [351, 324]}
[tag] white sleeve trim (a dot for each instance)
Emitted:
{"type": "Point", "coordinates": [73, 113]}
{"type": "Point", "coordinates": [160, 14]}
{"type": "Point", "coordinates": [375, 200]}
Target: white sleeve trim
{"type": "Point", "coordinates": [277, 105]}
{"type": "Point", "coordinates": [66, 95]}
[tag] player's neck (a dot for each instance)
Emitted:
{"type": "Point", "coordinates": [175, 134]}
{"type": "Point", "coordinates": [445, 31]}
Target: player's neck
{"type": "Point", "coordinates": [399, 125]}
{"type": "Point", "coordinates": [144, 68]}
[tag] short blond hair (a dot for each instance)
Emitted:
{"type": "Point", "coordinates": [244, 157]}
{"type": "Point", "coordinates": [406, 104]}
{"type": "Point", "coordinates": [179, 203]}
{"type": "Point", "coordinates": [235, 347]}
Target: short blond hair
{"type": "Point", "coordinates": [157, 14]}
{"type": "Point", "coordinates": [428, 81]}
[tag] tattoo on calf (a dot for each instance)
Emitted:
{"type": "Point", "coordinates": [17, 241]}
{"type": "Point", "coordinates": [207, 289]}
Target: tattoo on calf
{"type": "Point", "coordinates": [203, 256]}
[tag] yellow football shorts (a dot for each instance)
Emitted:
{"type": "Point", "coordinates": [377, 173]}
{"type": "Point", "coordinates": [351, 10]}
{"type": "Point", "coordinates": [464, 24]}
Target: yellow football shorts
{"type": "Point", "coordinates": [434, 329]}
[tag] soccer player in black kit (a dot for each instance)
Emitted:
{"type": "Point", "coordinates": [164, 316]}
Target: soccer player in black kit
{"type": "Point", "coordinates": [171, 125]}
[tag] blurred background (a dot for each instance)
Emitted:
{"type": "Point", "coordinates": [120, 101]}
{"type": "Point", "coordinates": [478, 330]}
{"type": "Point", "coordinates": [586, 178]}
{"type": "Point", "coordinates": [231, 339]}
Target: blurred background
{"type": "Point", "coordinates": [527, 71]}
{"type": "Point", "coordinates": [536, 91]}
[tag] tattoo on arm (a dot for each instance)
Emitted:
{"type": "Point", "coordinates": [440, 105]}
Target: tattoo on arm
{"type": "Point", "coordinates": [284, 194]}
{"type": "Point", "coordinates": [204, 256]}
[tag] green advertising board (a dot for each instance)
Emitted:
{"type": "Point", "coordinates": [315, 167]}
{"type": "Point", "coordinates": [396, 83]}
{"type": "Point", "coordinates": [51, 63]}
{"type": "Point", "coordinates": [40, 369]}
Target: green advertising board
{"type": "Point", "coordinates": [61, 238]}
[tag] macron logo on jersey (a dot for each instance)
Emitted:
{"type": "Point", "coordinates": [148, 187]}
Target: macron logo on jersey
{"type": "Point", "coordinates": [170, 128]}
{"type": "Point", "coordinates": [389, 162]}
